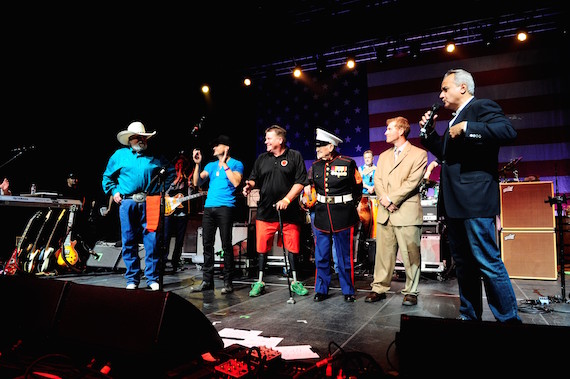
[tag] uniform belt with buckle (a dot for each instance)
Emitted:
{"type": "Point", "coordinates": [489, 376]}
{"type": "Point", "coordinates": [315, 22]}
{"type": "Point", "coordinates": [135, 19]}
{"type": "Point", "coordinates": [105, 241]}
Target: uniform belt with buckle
{"type": "Point", "coordinates": [138, 197]}
{"type": "Point", "coordinates": [334, 199]}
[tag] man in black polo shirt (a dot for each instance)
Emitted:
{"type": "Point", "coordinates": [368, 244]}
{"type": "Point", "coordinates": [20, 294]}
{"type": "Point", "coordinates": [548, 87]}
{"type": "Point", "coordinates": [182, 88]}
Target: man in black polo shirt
{"type": "Point", "coordinates": [280, 174]}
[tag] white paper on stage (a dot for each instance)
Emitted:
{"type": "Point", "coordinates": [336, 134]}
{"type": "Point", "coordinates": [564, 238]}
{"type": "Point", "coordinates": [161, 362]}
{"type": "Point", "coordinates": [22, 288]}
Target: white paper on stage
{"type": "Point", "coordinates": [296, 352]}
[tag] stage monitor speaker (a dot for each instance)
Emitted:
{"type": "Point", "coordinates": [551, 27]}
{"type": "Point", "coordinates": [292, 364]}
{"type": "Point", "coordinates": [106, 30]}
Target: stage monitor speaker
{"type": "Point", "coordinates": [479, 349]}
{"type": "Point", "coordinates": [529, 254]}
{"type": "Point", "coordinates": [524, 205]}
{"type": "Point", "coordinates": [121, 263]}
{"type": "Point", "coordinates": [133, 327]}
{"type": "Point", "coordinates": [29, 307]}
{"type": "Point", "coordinates": [105, 255]}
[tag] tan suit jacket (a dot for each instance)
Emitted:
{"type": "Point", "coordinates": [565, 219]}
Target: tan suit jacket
{"type": "Point", "coordinates": [400, 181]}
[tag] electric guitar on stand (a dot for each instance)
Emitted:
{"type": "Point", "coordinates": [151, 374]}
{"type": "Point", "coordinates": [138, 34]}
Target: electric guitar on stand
{"type": "Point", "coordinates": [13, 264]}
{"type": "Point", "coordinates": [46, 255]}
{"type": "Point", "coordinates": [171, 203]}
{"type": "Point", "coordinates": [67, 256]}
{"type": "Point", "coordinates": [30, 264]}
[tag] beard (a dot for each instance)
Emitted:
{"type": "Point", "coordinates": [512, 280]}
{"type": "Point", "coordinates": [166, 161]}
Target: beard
{"type": "Point", "coordinates": [141, 146]}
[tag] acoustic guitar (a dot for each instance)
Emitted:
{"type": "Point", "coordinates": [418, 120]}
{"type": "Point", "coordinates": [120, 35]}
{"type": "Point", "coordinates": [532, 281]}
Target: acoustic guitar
{"type": "Point", "coordinates": [14, 262]}
{"type": "Point", "coordinates": [46, 255]}
{"type": "Point", "coordinates": [171, 203]}
{"type": "Point", "coordinates": [30, 264]}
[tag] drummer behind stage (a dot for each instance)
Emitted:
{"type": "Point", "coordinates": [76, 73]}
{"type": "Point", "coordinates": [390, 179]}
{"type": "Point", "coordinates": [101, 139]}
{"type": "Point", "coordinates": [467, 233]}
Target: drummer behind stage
{"type": "Point", "coordinates": [397, 179]}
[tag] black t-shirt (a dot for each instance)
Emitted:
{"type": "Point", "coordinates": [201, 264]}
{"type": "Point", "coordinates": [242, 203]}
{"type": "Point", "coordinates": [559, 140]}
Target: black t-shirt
{"type": "Point", "coordinates": [275, 176]}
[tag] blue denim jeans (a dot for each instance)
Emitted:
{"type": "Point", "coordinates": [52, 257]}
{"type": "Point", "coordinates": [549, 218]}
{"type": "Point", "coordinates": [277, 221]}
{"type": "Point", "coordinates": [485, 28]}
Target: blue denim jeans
{"type": "Point", "coordinates": [474, 249]}
{"type": "Point", "coordinates": [132, 216]}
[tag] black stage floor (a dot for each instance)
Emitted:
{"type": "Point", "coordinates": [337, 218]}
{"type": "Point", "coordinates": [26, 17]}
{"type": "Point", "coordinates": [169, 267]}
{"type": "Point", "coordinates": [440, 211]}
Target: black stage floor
{"type": "Point", "coordinates": [383, 339]}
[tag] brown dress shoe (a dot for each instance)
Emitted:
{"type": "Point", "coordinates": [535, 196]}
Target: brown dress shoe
{"type": "Point", "coordinates": [374, 297]}
{"type": "Point", "coordinates": [410, 300]}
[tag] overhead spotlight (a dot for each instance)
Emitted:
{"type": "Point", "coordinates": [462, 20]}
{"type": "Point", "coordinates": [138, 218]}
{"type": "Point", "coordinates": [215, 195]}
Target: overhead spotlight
{"type": "Point", "coordinates": [205, 88]}
{"type": "Point", "coordinates": [321, 63]}
{"type": "Point", "coordinates": [247, 82]}
{"type": "Point", "coordinates": [488, 37]}
{"type": "Point", "coordinates": [521, 35]}
{"type": "Point", "coordinates": [297, 72]}
{"type": "Point", "coordinates": [350, 62]}
{"type": "Point", "coordinates": [381, 54]}
{"type": "Point", "coordinates": [450, 46]}
{"type": "Point", "coordinates": [415, 49]}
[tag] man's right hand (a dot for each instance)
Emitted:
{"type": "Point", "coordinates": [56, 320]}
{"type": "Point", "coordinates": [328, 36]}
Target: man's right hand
{"type": "Point", "coordinates": [247, 188]}
{"type": "Point", "coordinates": [196, 156]}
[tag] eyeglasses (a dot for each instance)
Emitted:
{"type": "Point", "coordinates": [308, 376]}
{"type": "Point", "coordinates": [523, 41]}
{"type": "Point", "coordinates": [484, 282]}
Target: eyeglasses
{"type": "Point", "coordinates": [133, 137]}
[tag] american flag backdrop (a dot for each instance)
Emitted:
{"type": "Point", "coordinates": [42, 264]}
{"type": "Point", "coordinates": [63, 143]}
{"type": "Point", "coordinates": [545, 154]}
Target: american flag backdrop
{"type": "Point", "coordinates": [531, 86]}
{"type": "Point", "coordinates": [335, 101]}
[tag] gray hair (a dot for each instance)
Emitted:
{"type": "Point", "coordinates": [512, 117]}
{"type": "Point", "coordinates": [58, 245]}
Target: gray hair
{"type": "Point", "coordinates": [462, 77]}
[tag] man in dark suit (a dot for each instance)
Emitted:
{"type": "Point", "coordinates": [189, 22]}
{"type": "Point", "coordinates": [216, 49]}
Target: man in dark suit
{"type": "Point", "coordinates": [469, 194]}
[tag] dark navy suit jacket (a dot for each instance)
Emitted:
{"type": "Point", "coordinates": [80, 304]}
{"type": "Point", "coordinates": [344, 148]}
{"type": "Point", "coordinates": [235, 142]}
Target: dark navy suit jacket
{"type": "Point", "coordinates": [469, 179]}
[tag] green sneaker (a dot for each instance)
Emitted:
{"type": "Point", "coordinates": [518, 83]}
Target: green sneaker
{"type": "Point", "coordinates": [298, 288]}
{"type": "Point", "coordinates": [257, 289]}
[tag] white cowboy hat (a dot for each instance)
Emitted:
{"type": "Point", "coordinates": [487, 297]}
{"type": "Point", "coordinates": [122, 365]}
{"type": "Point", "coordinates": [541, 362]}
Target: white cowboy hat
{"type": "Point", "coordinates": [134, 128]}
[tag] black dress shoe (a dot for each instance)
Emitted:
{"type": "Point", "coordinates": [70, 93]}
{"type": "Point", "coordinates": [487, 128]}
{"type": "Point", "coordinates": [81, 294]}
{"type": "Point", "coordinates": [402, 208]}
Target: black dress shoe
{"type": "Point", "coordinates": [410, 300]}
{"type": "Point", "coordinates": [374, 297]}
{"type": "Point", "coordinates": [202, 287]}
{"type": "Point", "coordinates": [320, 297]}
{"type": "Point", "coordinates": [349, 298]}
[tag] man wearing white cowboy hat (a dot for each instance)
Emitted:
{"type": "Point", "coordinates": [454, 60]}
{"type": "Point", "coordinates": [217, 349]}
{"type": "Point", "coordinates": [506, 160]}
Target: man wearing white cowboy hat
{"type": "Point", "coordinates": [131, 174]}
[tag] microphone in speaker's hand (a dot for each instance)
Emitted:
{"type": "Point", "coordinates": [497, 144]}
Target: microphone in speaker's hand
{"type": "Point", "coordinates": [428, 126]}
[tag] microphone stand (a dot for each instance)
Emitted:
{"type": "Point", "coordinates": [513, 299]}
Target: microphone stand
{"type": "Point", "coordinates": [159, 230]}
{"type": "Point", "coordinates": [11, 159]}
{"type": "Point", "coordinates": [559, 200]}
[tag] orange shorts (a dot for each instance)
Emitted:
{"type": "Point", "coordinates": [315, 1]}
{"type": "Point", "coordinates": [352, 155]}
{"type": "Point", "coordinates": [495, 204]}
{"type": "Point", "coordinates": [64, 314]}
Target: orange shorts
{"type": "Point", "coordinates": [265, 233]}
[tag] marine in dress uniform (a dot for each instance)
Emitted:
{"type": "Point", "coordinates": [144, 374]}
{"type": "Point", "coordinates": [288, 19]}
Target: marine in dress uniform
{"type": "Point", "coordinates": [339, 188]}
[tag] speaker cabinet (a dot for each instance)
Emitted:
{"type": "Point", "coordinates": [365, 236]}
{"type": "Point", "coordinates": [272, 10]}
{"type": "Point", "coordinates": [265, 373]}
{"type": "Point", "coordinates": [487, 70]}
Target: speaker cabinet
{"type": "Point", "coordinates": [529, 254]}
{"type": "Point", "coordinates": [533, 350]}
{"type": "Point", "coordinates": [137, 325]}
{"type": "Point", "coordinates": [140, 333]}
{"type": "Point", "coordinates": [29, 307]}
{"type": "Point", "coordinates": [523, 205]}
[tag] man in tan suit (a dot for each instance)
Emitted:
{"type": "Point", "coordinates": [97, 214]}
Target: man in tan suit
{"type": "Point", "coordinates": [398, 175]}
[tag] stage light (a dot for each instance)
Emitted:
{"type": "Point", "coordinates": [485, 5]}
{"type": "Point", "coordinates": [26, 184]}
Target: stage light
{"type": "Point", "coordinates": [205, 88]}
{"type": "Point", "coordinates": [450, 46]}
{"type": "Point", "coordinates": [247, 82]}
{"type": "Point", "coordinates": [415, 49]}
{"type": "Point", "coordinates": [488, 37]}
{"type": "Point", "coordinates": [350, 62]}
{"type": "Point", "coordinates": [381, 54]}
{"type": "Point", "coordinates": [297, 72]}
{"type": "Point", "coordinates": [521, 35]}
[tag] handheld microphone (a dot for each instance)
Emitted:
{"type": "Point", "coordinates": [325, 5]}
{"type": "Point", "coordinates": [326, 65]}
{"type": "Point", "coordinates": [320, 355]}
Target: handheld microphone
{"type": "Point", "coordinates": [429, 122]}
{"type": "Point", "coordinates": [23, 148]}
{"type": "Point", "coordinates": [198, 126]}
